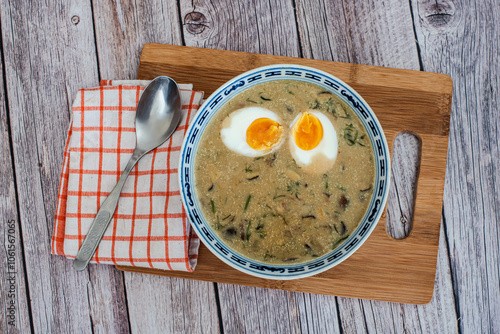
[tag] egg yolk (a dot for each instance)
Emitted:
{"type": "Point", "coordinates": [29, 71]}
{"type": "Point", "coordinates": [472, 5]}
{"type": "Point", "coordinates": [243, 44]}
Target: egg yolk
{"type": "Point", "coordinates": [307, 132]}
{"type": "Point", "coordinates": [263, 134]}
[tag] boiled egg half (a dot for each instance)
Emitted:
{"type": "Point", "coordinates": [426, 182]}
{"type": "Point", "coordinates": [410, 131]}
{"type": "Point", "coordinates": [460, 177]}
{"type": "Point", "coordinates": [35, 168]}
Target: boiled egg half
{"type": "Point", "coordinates": [313, 142]}
{"type": "Point", "coordinates": [252, 131]}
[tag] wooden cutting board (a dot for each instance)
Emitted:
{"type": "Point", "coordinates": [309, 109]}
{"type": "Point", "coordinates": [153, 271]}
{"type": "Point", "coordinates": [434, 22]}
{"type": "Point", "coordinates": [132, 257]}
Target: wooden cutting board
{"type": "Point", "coordinates": [383, 268]}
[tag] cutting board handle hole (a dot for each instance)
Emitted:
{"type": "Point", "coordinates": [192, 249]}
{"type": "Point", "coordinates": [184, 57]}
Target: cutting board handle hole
{"type": "Point", "coordinates": [405, 168]}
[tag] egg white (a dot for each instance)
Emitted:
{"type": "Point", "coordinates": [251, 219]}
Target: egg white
{"type": "Point", "coordinates": [323, 156]}
{"type": "Point", "coordinates": [234, 130]}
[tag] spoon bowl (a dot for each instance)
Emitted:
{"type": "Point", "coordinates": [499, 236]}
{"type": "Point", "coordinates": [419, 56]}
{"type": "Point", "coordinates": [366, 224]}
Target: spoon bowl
{"type": "Point", "coordinates": [157, 116]}
{"type": "Point", "coordinates": [158, 113]}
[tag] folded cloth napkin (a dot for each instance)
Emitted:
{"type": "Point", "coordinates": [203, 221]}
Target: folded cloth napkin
{"type": "Point", "coordinates": [150, 227]}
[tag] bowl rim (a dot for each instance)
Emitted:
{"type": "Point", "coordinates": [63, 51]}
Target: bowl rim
{"type": "Point", "coordinates": [232, 85]}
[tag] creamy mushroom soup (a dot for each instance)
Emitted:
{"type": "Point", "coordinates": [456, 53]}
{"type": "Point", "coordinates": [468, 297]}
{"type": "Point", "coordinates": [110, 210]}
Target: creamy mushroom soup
{"type": "Point", "coordinates": [284, 172]}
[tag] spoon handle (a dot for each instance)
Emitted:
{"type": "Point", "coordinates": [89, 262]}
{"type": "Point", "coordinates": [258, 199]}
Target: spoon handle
{"type": "Point", "coordinates": [103, 217]}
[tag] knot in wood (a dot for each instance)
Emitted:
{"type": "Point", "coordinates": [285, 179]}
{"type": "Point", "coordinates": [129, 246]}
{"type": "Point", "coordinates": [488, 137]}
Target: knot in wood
{"type": "Point", "coordinates": [439, 14]}
{"type": "Point", "coordinates": [195, 23]}
{"type": "Point", "coordinates": [75, 19]}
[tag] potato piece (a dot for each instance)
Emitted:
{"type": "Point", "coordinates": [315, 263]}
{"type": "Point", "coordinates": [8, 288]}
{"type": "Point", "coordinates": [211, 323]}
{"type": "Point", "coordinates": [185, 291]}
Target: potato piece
{"type": "Point", "coordinates": [320, 214]}
{"type": "Point", "coordinates": [292, 174]}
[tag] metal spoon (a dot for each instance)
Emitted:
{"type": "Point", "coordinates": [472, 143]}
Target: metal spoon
{"type": "Point", "coordinates": [158, 114]}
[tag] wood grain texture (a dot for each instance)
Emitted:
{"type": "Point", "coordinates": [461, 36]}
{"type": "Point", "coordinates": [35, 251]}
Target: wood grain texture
{"type": "Point", "coordinates": [318, 313]}
{"type": "Point", "coordinates": [170, 305]}
{"type": "Point", "coordinates": [253, 310]}
{"type": "Point", "coordinates": [361, 32]}
{"type": "Point", "coordinates": [14, 300]}
{"type": "Point", "coordinates": [405, 165]}
{"type": "Point", "coordinates": [251, 26]}
{"type": "Point", "coordinates": [256, 310]}
{"type": "Point", "coordinates": [106, 295]}
{"type": "Point", "coordinates": [392, 257]}
{"type": "Point", "coordinates": [154, 302]}
{"type": "Point", "coordinates": [461, 38]}
{"type": "Point", "coordinates": [123, 27]}
{"type": "Point", "coordinates": [41, 78]}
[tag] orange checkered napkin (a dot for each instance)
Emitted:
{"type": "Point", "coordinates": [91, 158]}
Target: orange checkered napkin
{"type": "Point", "coordinates": [150, 227]}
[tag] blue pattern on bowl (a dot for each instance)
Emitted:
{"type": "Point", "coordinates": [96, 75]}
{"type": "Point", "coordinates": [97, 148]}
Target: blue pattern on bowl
{"type": "Point", "coordinates": [200, 122]}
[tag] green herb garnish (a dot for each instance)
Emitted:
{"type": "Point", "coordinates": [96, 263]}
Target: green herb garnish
{"type": "Point", "coordinates": [247, 202]}
{"type": "Point", "coordinates": [350, 134]}
{"type": "Point", "coordinates": [335, 244]}
{"type": "Point", "coordinates": [330, 105]}
{"type": "Point", "coordinates": [340, 188]}
{"type": "Point", "coordinates": [264, 98]}
{"type": "Point", "coordinates": [361, 138]}
{"type": "Point", "coordinates": [346, 114]}
{"type": "Point", "coordinates": [217, 226]}
{"type": "Point", "coordinates": [293, 188]}
{"type": "Point", "coordinates": [268, 256]}
{"type": "Point", "coordinates": [315, 104]}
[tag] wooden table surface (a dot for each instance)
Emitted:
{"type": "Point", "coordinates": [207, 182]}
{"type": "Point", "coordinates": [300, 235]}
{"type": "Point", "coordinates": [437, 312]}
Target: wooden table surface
{"type": "Point", "coordinates": [52, 48]}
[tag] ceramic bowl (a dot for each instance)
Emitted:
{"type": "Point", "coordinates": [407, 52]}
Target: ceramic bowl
{"type": "Point", "coordinates": [190, 146]}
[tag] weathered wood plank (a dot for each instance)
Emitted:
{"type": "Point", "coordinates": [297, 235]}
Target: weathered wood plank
{"type": "Point", "coordinates": [155, 303]}
{"type": "Point", "coordinates": [400, 204]}
{"type": "Point", "coordinates": [123, 27]}
{"type": "Point", "coordinates": [13, 295]}
{"type": "Point", "coordinates": [318, 313]}
{"type": "Point", "coordinates": [255, 310]}
{"type": "Point", "coordinates": [251, 310]}
{"type": "Point", "coordinates": [461, 38]}
{"type": "Point", "coordinates": [106, 295]}
{"type": "Point", "coordinates": [50, 52]}
{"type": "Point", "coordinates": [377, 34]}
{"type": "Point", "coordinates": [251, 26]}
{"type": "Point", "coordinates": [368, 32]}
{"type": "Point", "coordinates": [170, 305]}
{"type": "Point", "coordinates": [440, 315]}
